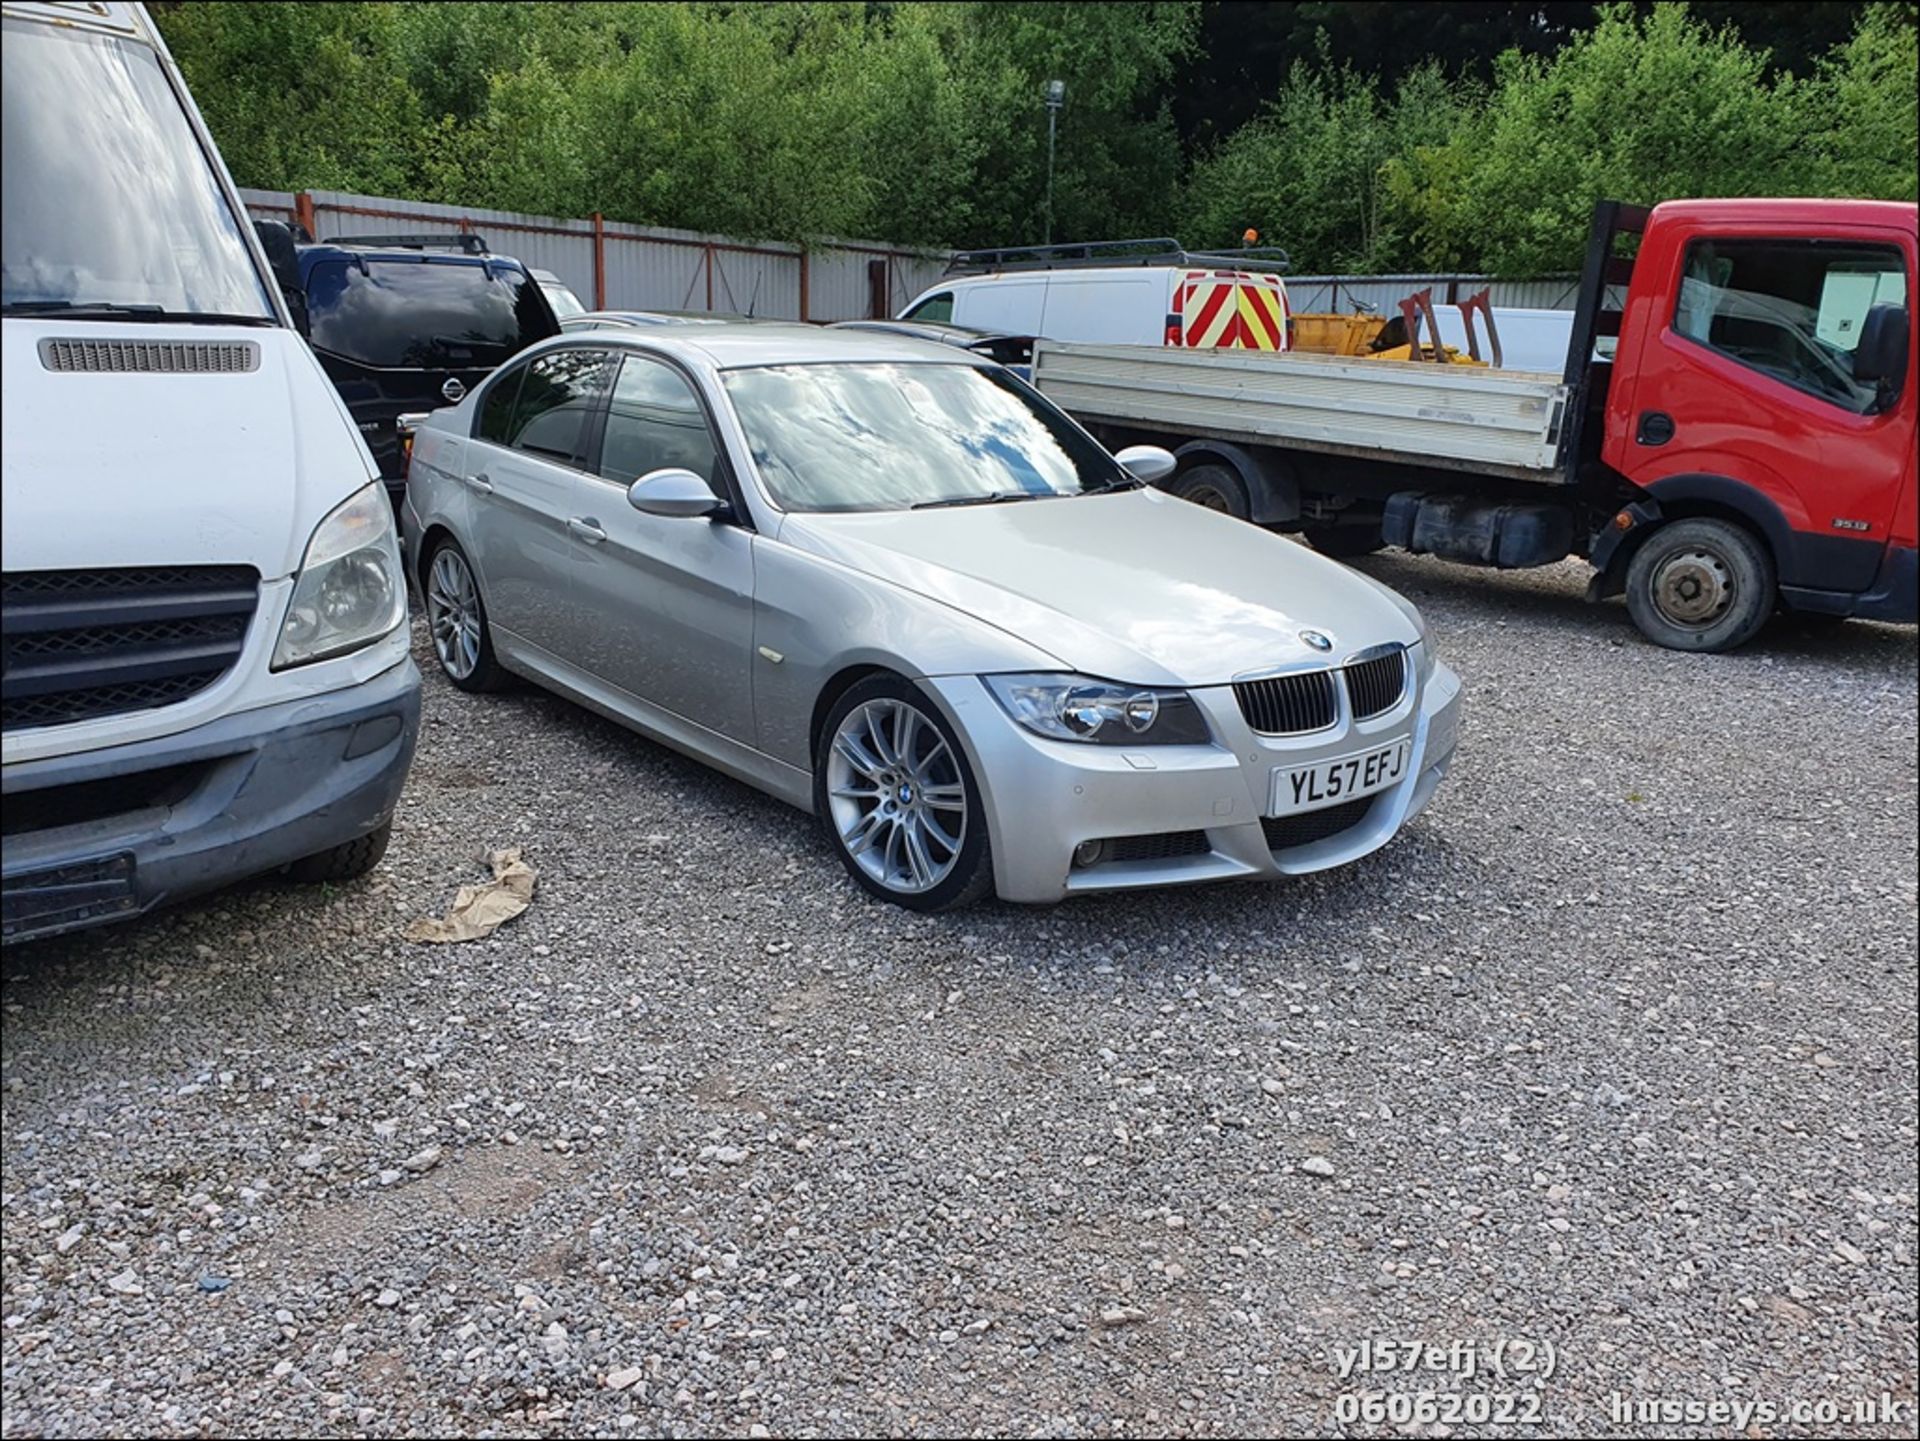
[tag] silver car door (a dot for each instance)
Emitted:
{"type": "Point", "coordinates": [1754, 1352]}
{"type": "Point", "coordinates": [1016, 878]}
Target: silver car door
{"type": "Point", "coordinates": [522, 469]}
{"type": "Point", "coordinates": [666, 603]}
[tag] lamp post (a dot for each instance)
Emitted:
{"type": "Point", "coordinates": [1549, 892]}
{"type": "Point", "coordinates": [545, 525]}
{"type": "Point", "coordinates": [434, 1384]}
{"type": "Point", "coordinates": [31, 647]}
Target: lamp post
{"type": "Point", "coordinates": [1056, 98]}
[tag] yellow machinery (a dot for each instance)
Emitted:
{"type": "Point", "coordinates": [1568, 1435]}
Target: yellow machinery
{"type": "Point", "coordinates": [1398, 337]}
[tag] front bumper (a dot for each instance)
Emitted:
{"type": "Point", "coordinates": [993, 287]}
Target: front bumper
{"type": "Point", "coordinates": [106, 834]}
{"type": "Point", "coordinates": [1043, 798]}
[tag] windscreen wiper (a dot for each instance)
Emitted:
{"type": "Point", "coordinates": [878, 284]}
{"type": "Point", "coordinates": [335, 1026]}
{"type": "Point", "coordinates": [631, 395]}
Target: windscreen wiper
{"type": "Point", "coordinates": [1106, 487]}
{"type": "Point", "coordinates": [110, 310]}
{"type": "Point", "coordinates": [992, 497]}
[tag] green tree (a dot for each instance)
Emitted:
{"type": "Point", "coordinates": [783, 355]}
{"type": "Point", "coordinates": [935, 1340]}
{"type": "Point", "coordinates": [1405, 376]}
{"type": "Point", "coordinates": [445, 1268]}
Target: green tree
{"type": "Point", "coordinates": [301, 95]}
{"type": "Point", "coordinates": [1861, 117]}
{"type": "Point", "coordinates": [1640, 108]}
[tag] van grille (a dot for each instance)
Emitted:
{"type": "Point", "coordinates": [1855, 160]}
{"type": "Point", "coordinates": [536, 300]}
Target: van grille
{"type": "Point", "coordinates": [1287, 704]}
{"type": "Point", "coordinates": [163, 357]}
{"type": "Point", "coordinates": [86, 643]}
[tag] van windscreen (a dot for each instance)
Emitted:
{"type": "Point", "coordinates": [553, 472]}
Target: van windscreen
{"type": "Point", "coordinates": [424, 315]}
{"type": "Point", "coordinates": [106, 199]}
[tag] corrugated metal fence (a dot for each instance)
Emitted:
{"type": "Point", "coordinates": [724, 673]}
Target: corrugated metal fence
{"type": "Point", "coordinates": [1338, 294]}
{"type": "Point", "coordinates": [612, 266]}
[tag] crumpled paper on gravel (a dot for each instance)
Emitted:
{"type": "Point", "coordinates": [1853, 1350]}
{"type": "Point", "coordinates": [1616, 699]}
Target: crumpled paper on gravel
{"type": "Point", "coordinates": [481, 910]}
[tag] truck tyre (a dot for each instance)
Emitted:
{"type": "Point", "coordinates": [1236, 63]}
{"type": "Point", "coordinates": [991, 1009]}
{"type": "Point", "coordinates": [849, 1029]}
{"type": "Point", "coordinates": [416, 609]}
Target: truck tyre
{"type": "Point", "coordinates": [1701, 585]}
{"type": "Point", "coordinates": [1213, 487]}
{"type": "Point", "coordinates": [344, 862]}
{"type": "Point", "coordinates": [1344, 542]}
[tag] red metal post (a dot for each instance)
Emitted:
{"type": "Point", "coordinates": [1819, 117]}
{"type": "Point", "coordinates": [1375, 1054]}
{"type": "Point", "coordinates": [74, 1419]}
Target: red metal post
{"type": "Point", "coordinates": [599, 262]}
{"type": "Point", "coordinates": [303, 213]}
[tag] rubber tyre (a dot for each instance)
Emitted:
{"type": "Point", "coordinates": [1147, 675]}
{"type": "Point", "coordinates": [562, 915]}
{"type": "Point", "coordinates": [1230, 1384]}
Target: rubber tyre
{"type": "Point", "coordinates": [1344, 542]}
{"type": "Point", "coordinates": [1213, 487]}
{"type": "Point", "coordinates": [487, 674]}
{"type": "Point", "coordinates": [1750, 579]}
{"type": "Point", "coordinates": [971, 878]}
{"type": "Point", "coordinates": [344, 862]}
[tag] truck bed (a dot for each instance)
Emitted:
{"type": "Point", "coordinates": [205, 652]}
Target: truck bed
{"type": "Point", "coordinates": [1500, 422]}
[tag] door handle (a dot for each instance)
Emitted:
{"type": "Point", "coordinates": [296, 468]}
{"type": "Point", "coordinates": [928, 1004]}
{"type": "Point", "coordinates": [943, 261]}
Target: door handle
{"type": "Point", "coordinates": [587, 530]}
{"type": "Point", "coordinates": [480, 483]}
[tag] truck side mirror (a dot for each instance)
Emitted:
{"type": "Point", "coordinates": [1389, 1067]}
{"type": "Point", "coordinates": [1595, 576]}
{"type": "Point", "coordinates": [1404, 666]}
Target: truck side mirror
{"type": "Point", "coordinates": [1881, 356]}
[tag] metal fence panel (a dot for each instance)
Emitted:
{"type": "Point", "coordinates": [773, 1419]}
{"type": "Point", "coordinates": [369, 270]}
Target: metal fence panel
{"type": "Point", "coordinates": [643, 267]}
{"type": "Point", "coordinates": [1311, 294]}
{"type": "Point", "coordinates": [268, 204]}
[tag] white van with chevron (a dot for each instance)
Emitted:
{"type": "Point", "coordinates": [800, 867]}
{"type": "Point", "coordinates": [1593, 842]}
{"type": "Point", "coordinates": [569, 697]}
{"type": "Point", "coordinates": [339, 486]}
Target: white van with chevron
{"type": "Point", "coordinates": [1124, 292]}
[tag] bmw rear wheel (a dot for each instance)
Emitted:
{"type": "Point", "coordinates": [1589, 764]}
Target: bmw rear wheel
{"type": "Point", "coordinates": [457, 621]}
{"type": "Point", "coordinates": [898, 798]}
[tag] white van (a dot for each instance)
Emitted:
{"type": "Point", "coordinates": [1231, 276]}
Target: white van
{"type": "Point", "coordinates": [1208, 303]}
{"type": "Point", "coordinates": [206, 658]}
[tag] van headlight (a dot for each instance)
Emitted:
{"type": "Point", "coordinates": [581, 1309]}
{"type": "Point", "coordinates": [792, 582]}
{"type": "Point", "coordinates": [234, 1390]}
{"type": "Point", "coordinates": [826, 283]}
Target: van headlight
{"type": "Point", "coordinates": [350, 591]}
{"type": "Point", "coordinates": [1079, 708]}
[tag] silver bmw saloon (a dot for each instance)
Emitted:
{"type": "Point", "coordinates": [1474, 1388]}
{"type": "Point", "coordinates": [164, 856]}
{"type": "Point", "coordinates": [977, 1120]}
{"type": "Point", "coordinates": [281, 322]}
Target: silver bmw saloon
{"type": "Point", "coordinates": [887, 582]}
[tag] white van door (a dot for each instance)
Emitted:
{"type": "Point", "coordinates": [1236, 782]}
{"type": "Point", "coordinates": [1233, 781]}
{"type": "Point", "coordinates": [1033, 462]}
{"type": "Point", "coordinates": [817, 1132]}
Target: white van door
{"type": "Point", "coordinates": [1108, 308]}
{"type": "Point", "coordinates": [1010, 306]}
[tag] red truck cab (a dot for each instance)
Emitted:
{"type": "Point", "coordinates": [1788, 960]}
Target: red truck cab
{"type": "Point", "coordinates": [1761, 408]}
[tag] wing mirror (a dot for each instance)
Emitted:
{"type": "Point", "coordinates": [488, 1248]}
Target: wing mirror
{"type": "Point", "coordinates": [276, 238]}
{"type": "Point", "coordinates": [1881, 357]}
{"type": "Point", "coordinates": [676, 493]}
{"type": "Point", "coordinates": [1147, 463]}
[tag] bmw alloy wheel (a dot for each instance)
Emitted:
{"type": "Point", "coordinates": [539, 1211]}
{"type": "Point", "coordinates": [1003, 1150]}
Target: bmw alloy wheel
{"type": "Point", "coordinates": [896, 796]}
{"type": "Point", "coordinates": [453, 613]}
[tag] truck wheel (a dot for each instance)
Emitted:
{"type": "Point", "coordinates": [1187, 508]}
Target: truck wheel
{"type": "Point", "coordinates": [1701, 585]}
{"type": "Point", "coordinates": [1213, 487]}
{"type": "Point", "coordinates": [344, 862]}
{"type": "Point", "coordinates": [1344, 542]}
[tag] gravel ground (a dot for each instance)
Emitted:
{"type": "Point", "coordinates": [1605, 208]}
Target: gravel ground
{"type": "Point", "coordinates": [1614, 1049]}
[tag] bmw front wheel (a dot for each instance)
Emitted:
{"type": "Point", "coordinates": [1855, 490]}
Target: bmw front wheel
{"type": "Point", "coordinates": [898, 799]}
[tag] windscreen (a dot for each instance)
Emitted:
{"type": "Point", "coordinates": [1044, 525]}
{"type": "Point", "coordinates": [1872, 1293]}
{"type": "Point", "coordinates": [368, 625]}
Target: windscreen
{"type": "Point", "coordinates": [424, 315]}
{"type": "Point", "coordinates": [108, 198]}
{"type": "Point", "coordinates": [879, 436]}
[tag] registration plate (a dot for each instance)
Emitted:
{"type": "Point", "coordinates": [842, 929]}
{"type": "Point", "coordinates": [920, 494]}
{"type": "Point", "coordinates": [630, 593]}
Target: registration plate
{"type": "Point", "coordinates": [1345, 778]}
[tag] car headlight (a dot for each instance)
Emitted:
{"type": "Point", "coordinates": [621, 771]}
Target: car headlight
{"type": "Point", "coordinates": [1079, 708]}
{"type": "Point", "coordinates": [350, 591]}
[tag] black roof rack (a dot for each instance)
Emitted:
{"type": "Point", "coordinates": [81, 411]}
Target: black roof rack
{"type": "Point", "coordinates": [467, 242]}
{"type": "Point", "coordinates": [1157, 250]}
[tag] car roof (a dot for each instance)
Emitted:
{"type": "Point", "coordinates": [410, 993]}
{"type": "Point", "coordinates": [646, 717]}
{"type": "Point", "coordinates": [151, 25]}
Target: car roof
{"type": "Point", "coordinates": [321, 250]}
{"type": "Point", "coordinates": [745, 344]}
{"type": "Point", "coordinates": [657, 317]}
{"type": "Point", "coordinates": [944, 332]}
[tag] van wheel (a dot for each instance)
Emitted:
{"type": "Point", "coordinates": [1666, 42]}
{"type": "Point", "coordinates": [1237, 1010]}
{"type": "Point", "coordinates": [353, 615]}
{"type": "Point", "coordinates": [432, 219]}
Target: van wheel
{"type": "Point", "coordinates": [1701, 585]}
{"type": "Point", "coordinates": [343, 862]}
{"type": "Point", "coordinates": [1213, 487]}
{"type": "Point", "coordinates": [457, 621]}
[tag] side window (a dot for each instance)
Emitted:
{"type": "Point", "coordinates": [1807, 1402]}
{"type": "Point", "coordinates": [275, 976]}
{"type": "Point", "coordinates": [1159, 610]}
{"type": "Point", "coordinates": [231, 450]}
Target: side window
{"type": "Point", "coordinates": [1790, 309]}
{"type": "Point", "coordinates": [556, 401]}
{"type": "Point", "coordinates": [654, 423]}
{"type": "Point", "coordinates": [936, 308]}
{"type": "Point", "coordinates": [496, 411]}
